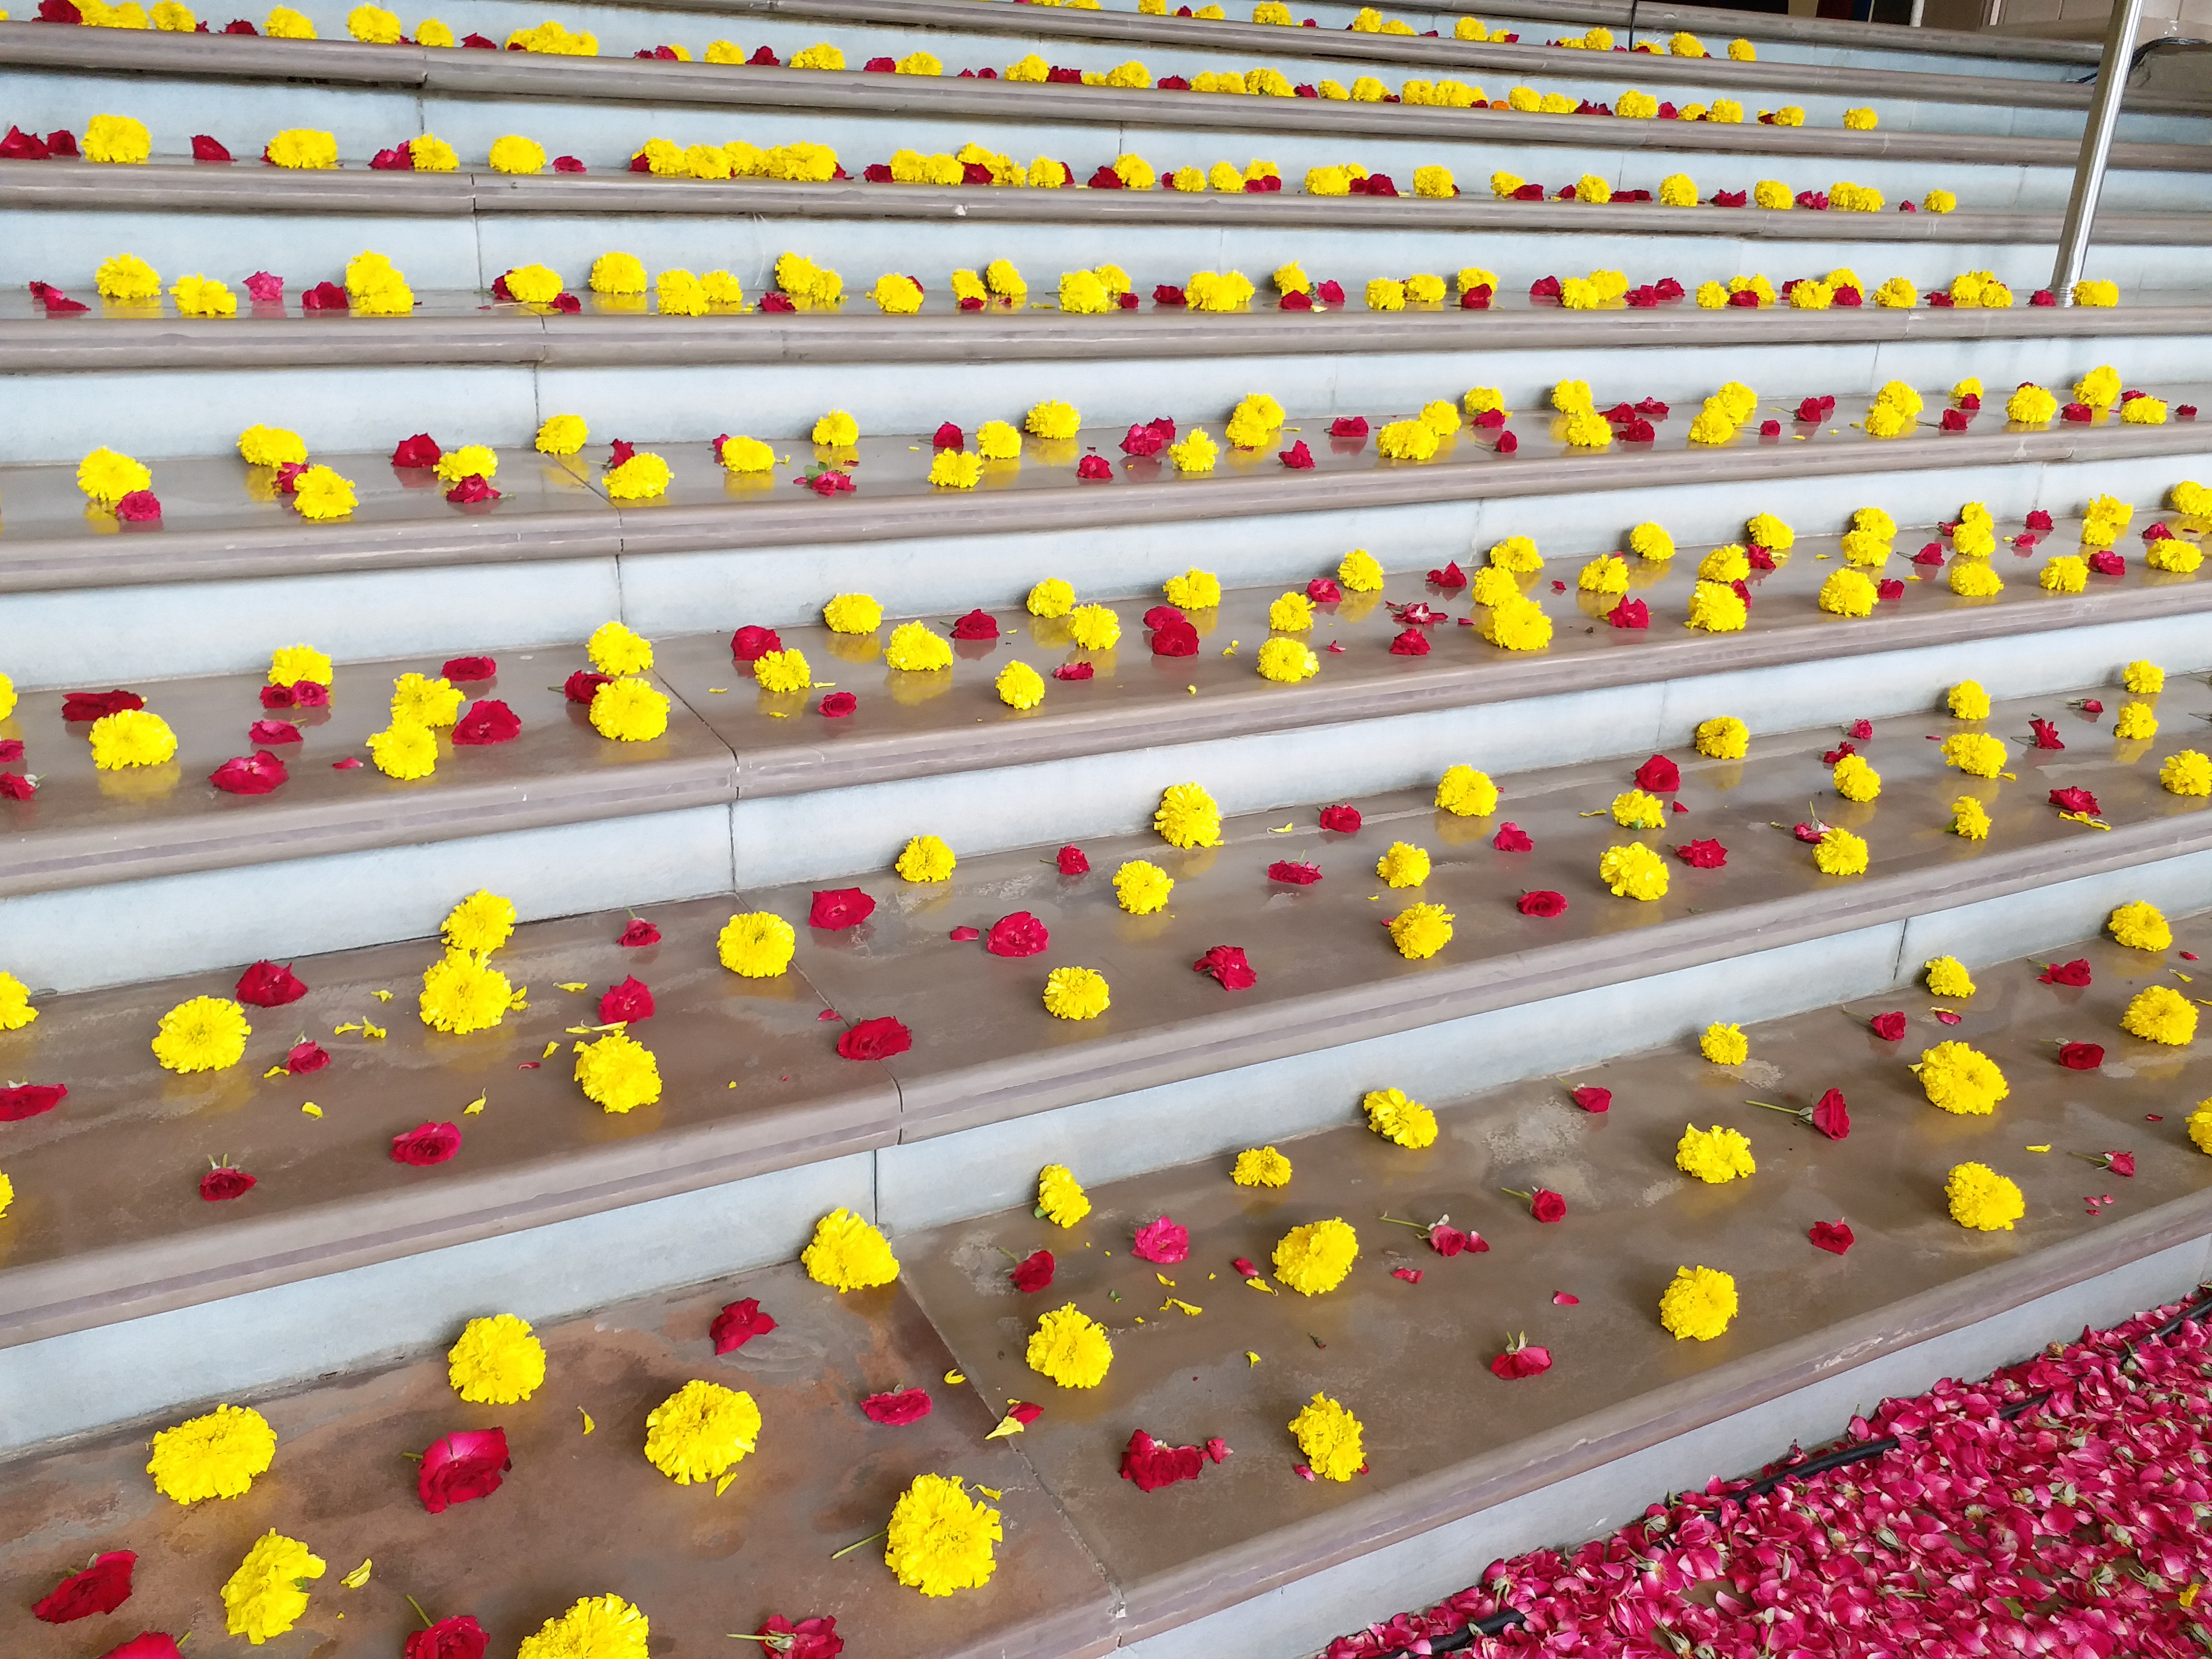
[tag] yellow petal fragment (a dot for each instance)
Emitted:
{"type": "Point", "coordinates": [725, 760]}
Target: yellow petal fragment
{"type": "Point", "coordinates": [312, 1109]}
{"type": "Point", "coordinates": [1007, 1425]}
{"type": "Point", "coordinates": [358, 1576]}
{"type": "Point", "coordinates": [723, 1484]}
{"type": "Point", "coordinates": [2043, 1148]}
{"type": "Point", "coordinates": [474, 1106]}
{"type": "Point", "coordinates": [955, 1376]}
{"type": "Point", "coordinates": [588, 1424]}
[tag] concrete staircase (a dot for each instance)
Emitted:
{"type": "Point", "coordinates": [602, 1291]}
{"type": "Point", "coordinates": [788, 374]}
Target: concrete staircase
{"type": "Point", "coordinates": [328, 1291]}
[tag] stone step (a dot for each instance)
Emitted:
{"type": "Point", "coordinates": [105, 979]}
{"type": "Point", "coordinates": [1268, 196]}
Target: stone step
{"type": "Point", "coordinates": [1250, 1559]}
{"type": "Point", "coordinates": [754, 1081]}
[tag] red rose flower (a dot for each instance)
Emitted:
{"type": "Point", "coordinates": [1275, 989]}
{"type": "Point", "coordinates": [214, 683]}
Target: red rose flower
{"type": "Point", "coordinates": [1546, 1205]}
{"type": "Point", "coordinates": [1244, 1267]}
{"type": "Point", "coordinates": [1410, 643]}
{"type": "Point", "coordinates": [426, 1144]}
{"type": "Point", "coordinates": [1161, 1241]}
{"type": "Point", "coordinates": [206, 149]}
{"type": "Point", "coordinates": [1931, 555]}
{"type": "Point", "coordinates": [462, 1467]}
{"type": "Point", "coordinates": [1297, 457]}
{"type": "Point", "coordinates": [1451, 578]}
{"type": "Point", "coordinates": [837, 909]}
{"type": "Point", "coordinates": [1176, 638]}
{"type": "Point", "coordinates": [93, 705]}
{"type": "Point", "coordinates": [1033, 1273]}
{"type": "Point", "coordinates": [836, 705]}
{"type": "Point", "coordinates": [739, 1324]}
{"type": "Point", "coordinates": [101, 1588]}
{"type": "Point", "coordinates": [1512, 838]}
{"type": "Point", "coordinates": [1072, 861]}
{"type": "Point", "coordinates": [249, 774]}
{"type": "Point", "coordinates": [1322, 590]}
{"type": "Point", "coordinates": [1227, 964]}
{"type": "Point", "coordinates": [1591, 1098]}
{"type": "Point", "coordinates": [2075, 972]}
{"type": "Point", "coordinates": [324, 296]}
{"type": "Point", "coordinates": [1834, 1236]}
{"type": "Point", "coordinates": [1149, 438]}
{"type": "Point", "coordinates": [2121, 1164]}
{"type": "Point", "coordinates": [626, 1003]}
{"type": "Point", "coordinates": [265, 985]}
{"type": "Point", "coordinates": [21, 1100]}
{"type": "Point", "coordinates": [139, 507]}
{"type": "Point", "coordinates": [458, 1638]}
{"type": "Point", "coordinates": [263, 733]}
{"type": "Point", "coordinates": [639, 932]}
{"type": "Point", "coordinates": [14, 786]}
{"type": "Point", "coordinates": [811, 1639]}
{"type": "Point", "coordinates": [583, 685]}
{"type": "Point", "coordinates": [976, 625]}
{"type": "Point", "coordinates": [1020, 935]}
{"type": "Point", "coordinates": [2081, 1056]}
{"type": "Point", "coordinates": [897, 1410]}
{"type": "Point", "coordinates": [1152, 1465]}
{"type": "Point", "coordinates": [1446, 1240]}
{"type": "Point", "coordinates": [750, 644]}
{"type": "Point", "coordinates": [1830, 1115]}
{"type": "Point", "coordinates": [1659, 774]}
{"type": "Point", "coordinates": [2091, 706]}
{"type": "Point", "coordinates": [420, 450]}
{"type": "Point", "coordinates": [11, 750]}
{"type": "Point", "coordinates": [1507, 444]}
{"type": "Point", "coordinates": [875, 1039]}
{"type": "Point", "coordinates": [1890, 1028]}
{"type": "Point", "coordinates": [2074, 801]}
{"type": "Point", "coordinates": [159, 1644]}
{"type": "Point", "coordinates": [948, 436]}
{"type": "Point", "coordinates": [471, 490]}
{"type": "Point", "coordinates": [305, 1057]}
{"type": "Point", "coordinates": [1297, 874]}
{"type": "Point", "coordinates": [1706, 855]}
{"type": "Point", "coordinates": [223, 1181]}
{"type": "Point", "coordinates": [2039, 519]}
{"type": "Point", "coordinates": [1343, 820]}
{"type": "Point", "coordinates": [1074, 670]}
{"type": "Point", "coordinates": [1092, 468]}
{"type": "Point", "coordinates": [1542, 903]}
{"type": "Point", "coordinates": [1520, 1360]}
{"type": "Point", "coordinates": [487, 722]}
{"type": "Point", "coordinates": [2105, 563]}
{"type": "Point", "coordinates": [301, 694]}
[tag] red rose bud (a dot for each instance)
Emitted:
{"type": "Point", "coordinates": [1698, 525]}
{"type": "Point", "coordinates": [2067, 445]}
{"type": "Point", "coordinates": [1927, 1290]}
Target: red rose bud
{"type": "Point", "coordinates": [1020, 935]}
{"type": "Point", "coordinates": [1330, 292]}
{"type": "Point", "coordinates": [1227, 964]}
{"type": "Point", "coordinates": [1167, 294]}
{"type": "Point", "coordinates": [1512, 838]}
{"type": "Point", "coordinates": [487, 722]}
{"type": "Point", "coordinates": [1890, 1028]}
{"type": "Point", "coordinates": [1343, 820]}
{"type": "Point", "coordinates": [840, 908]}
{"type": "Point", "coordinates": [426, 1144]}
{"type": "Point", "coordinates": [2091, 706]}
{"type": "Point", "coordinates": [639, 932]}
{"type": "Point", "coordinates": [1520, 1360]}
{"type": "Point", "coordinates": [469, 670]}
{"type": "Point", "coordinates": [875, 1039]}
{"type": "Point", "coordinates": [1546, 1206]}
{"type": "Point", "coordinates": [750, 644]}
{"type": "Point", "coordinates": [1954, 419]}
{"type": "Point", "coordinates": [739, 1324]}
{"type": "Point", "coordinates": [1033, 1273]}
{"type": "Point", "coordinates": [1072, 861]}
{"type": "Point", "coordinates": [2120, 1164]}
{"type": "Point", "coordinates": [1542, 903]}
{"type": "Point", "coordinates": [223, 1182]}
{"type": "Point", "coordinates": [1297, 874]}
{"type": "Point", "coordinates": [1161, 1241]}
{"type": "Point", "coordinates": [836, 705]}
{"type": "Point", "coordinates": [101, 1588]}
{"type": "Point", "coordinates": [1834, 1236]}
{"type": "Point", "coordinates": [1770, 429]}
{"type": "Point", "coordinates": [2074, 801]}
{"type": "Point", "coordinates": [462, 1467]}
{"type": "Point", "coordinates": [947, 436]}
{"type": "Point", "coordinates": [265, 985]}
{"type": "Point", "coordinates": [897, 1410]}
{"type": "Point", "coordinates": [626, 1003]}
{"type": "Point", "coordinates": [815, 1637]}
{"type": "Point", "coordinates": [1889, 589]}
{"type": "Point", "coordinates": [1507, 443]}
{"type": "Point", "coordinates": [1093, 468]}
{"type": "Point", "coordinates": [2075, 972]}
{"type": "Point", "coordinates": [1244, 1267]}
{"type": "Point", "coordinates": [459, 1637]}
{"type": "Point", "coordinates": [18, 1101]}
{"type": "Point", "coordinates": [976, 625]}
{"type": "Point", "coordinates": [249, 774]}
{"type": "Point", "coordinates": [1451, 1241]}
{"type": "Point", "coordinates": [1831, 1116]}
{"type": "Point", "coordinates": [2081, 1056]}
{"type": "Point", "coordinates": [420, 450]}
{"type": "Point", "coordinates": [1410, 643]}
{"type": "Point", "coordinates": [583, 685]}
{"type": "Point", "coordinates": [1151, 1464]}
{"type": "Point", "coordinates": [1591, 1098]}
{"type": "Point", "coordinates": [1297, 457]}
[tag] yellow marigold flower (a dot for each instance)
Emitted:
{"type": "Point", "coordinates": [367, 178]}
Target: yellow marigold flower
{"type": "Point", "coordinates": [263, 1598]}
{"type": "Point", "coordinates": [2143, 678]}
{"type": "Point", "coordinates": [1968, 700]}
{"type": "Point", "coordinates": [203, 1034]}
{"type": "Point", "coordinates": [1315, 1258]}
{"type": "Point", "coordinates": [2159, 1013]}
{"type": "Point", "coordinates": [2186, 771]}
{"type": "Point", "coordinates": [1969, 819]}
{"type": "Point", "coordinates": [463, 994]}
{"type": "Point", "coordinates": [1076, 993]}
{"type": "Point", "coordinates": [851, 613]}
{"type": "Point", "coordinates": [998, 440]}
{"type": "Point", "coordinates": [320, 494]}
{"type": "Point", "coordinates": [107, 477]}
{"type": "Point", "coordinates": [126, 277]}
{"type": "Point", "coordinates": [913, 648]}
{"type": "Point", "coordinates": [1094, 627]}
{"type": "Point", "coordinates": [1961, 1079]}
{"type": "Point", "coordinates": [130, 737]}
{"type": "Point", "coordinates": [2031, 405]}
{"type": "Point", "coordinates": [847, 1254]}
{"type": "Point", "coordinates": [749, 455]}
{"type": "Point", "coordinates": [1975, 753]}
{"type": "Point", "coordinates": [1717, 609]}
{"type": "Point", "coordinates": [1724, 1045]}
{"type": "Point", "coordinates": [1867, 549]}
{"type": "Point", "coordinates": [1591, 188]}
{"type": "Point", "coordinates": [1419, 931]}
{"type": "Point", "coordinates": [2145, 412]}
{"type": "Point", "coordinates": [1517, 623]}
{"type": "Point", "coordinates": [1435, 182]}
{"type": "Point", "coordinates": [939, 1538]}
{"type": "Point", "coordinates": [1070, 1347]}
{"type": "Point", "coordinates": [1948, 977]}
{"type": "Point", "coordinates": [1399, 1120]}
{"type": "Point", "coordinates": [1633, 872]}
{"type": "Point", "coordinates": [756, 944]}
{"type": "Point", "coordinates": [597, 1627]}
{"type": "Point", "coordinates": [1291, 614]}
{"type": "Point", "coordinates": [217, 1454]}
{"type": "Point", "coordinates": [374, 26]}
{"type": "Point", "coordinates": [404, 751]}
{"type": "Point", "coordinates": [1052, 420]}
{"type": "Point", "coordinates": [1634, 810]}
{"type": "Point", "coordinates": [1731, 563]}
{"type": "Point", "coordinates": [1465, 792]}
{"type": "Point", "coordinates": [1196, 452]}
{"type": "Point", "coordinates": [926, 858]}
{"type": "Point", "coordinates": [515, 154]}
{"type": "Point", "coordinates": [561, 434]}
{"type": "Point", "coordinates": [618, 1073]}
{"type": "Point", "coordinates": [481, 922]}
{"type": "Point", "coordinates": [615, 648]}
{"type": "Point", "coordinates": [1330, 1436]}
{"type": "Point", "coordinates": [1403, 865]}
{"type": "Point", "coordinates": [1406, 440]}
{"type": "Point", "coordinates": [425, 700]}
{"type": "Point", "coordinates": [2200, 1126]}
{"type": "Point", "coordinates": [1187, 816]}
{"type": "Point", "coordinates": [1060, 1198]}
{"type": "Point", "coordinates": [700, 1431]}
{"type": "Point", "coordinates": [1856, 778]}
{"type": "Point", "coordinates": [1773, 195]}
{"type": "Point", "coordinates": [1605, 573]}
{"type": "Point", "coordinates": [1142, 888]}
{"type": "Point", "coordinates": [1699, 1304]}
{"type": "Point", "coordinates": [1263, 1166]}
{"type": "Point", "coordinates": [1980, 1198]}
{"type": "Point", "coordinates": [2140, 927]}
{"type": "Point", "coordinates": [303, 147]}
{"type": "Point", "coordinates": [497, 1361]}
{"type": "Point", "coordinates": [15, 1010]}
{"type": "Point", "coordinates": [955, 468]}
{"type": "Point", "coordinates": [2063, 573]}
{"type": "Point", "coordinates": [1723, 738]}
{"type": "Point", "coordinates": [271, 446]}
{"type": "Point", "coordinates": [1715, 1156]}
{"type": "Point", "coordinates": [1194, 590]}
{"type": "Point", "coordinates": [1742, 51]}
{"type": "Point", "coordinates": [1974, 580]}
{"type": "Point", "coordinates": [823, 56]}
{"type": "Point", "coordinates": [898, 295]}
{"type": "Point", "coordinates": [202, 297]}
{"type": "Point", "coordinates": [1360, 572]}
{"type": "Point", "coordinates": [1286, 662]}
{"type": "Point", "coordinates": [431, 154]}
{"type": "Point", "coordinates": [1840, 853]}
{"type": "Point", "coordinates": [1019, 686]}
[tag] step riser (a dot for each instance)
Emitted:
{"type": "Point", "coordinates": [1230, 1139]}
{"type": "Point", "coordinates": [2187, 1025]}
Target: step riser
{"type": "Point", "coordinates": [115, 636]}
{"type": "Point", "coordinates": [1418, 1571]}
{"type": "Point", "coordinates": [85, 937]}
{"type": "Point", "coordinates": [62, 416]}
{"type": "Point", "coordinates": [265, 1338]}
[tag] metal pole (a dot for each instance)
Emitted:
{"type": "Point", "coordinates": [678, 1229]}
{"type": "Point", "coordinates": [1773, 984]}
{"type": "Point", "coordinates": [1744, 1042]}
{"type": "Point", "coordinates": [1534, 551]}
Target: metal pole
{"type": "Point", "coordinates": [2096, 148]}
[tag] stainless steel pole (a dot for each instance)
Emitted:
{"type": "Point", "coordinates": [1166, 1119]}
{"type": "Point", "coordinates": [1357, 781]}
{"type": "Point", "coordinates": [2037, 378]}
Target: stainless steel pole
{"type": "Point", "coordinates": [2096, 148]}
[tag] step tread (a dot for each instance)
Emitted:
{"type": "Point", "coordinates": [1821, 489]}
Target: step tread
{"type": "Point", "coordinates": [48, 541]}
{"type": "Point", "coordinates": [984, 1050]}
{"type": "Point", "coordinates": [1087, 1560]}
